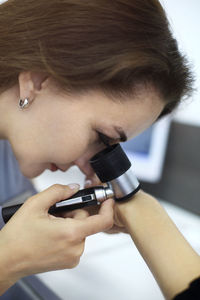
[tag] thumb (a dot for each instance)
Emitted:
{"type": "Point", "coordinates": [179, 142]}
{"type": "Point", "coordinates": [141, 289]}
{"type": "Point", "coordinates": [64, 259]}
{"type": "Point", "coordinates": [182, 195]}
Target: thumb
{"type": "Point", "coordinates": [55, 193]}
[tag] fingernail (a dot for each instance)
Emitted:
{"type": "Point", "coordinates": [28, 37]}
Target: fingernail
{"type": "Point", "coordinates": [74, 186]}
{"type": "Point", "coordinates": [88, 182]}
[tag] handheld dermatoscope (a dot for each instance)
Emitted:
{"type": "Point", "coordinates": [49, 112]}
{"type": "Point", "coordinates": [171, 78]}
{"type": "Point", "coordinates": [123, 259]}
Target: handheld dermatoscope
{"type": "Point", "coordinates": [113, 168]}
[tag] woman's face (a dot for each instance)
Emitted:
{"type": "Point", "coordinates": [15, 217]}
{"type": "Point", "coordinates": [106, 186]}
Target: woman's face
{"type": "Point", "coordinates": [60, 129]}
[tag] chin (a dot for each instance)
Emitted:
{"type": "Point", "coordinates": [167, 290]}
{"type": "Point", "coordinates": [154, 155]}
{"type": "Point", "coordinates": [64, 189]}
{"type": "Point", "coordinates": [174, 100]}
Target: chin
{"type": "Point", "coordinates": [31, 172]}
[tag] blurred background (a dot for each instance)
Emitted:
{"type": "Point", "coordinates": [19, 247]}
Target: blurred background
{"type": "Point", "coordinates": [166, 160]}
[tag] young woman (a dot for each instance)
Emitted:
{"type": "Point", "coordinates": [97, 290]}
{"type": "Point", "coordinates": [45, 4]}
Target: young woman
{"type": "Point", "coordinates": [74, 77]}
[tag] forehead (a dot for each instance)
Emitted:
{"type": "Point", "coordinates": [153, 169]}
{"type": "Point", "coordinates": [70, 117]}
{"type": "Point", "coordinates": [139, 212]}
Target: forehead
{"type": "Point", "coordinates": [133, 114]}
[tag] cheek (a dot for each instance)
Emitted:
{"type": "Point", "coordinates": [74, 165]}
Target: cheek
{"type": "Point", "coordinates": [67, 148]}
{"type": "Point", "coordinates": [61, 139]}
{"type": "Point", "coordinates": [32, 170]}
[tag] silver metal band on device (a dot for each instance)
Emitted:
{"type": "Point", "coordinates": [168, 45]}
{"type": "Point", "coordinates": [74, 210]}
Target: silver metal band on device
{"type": "Point", "coordinates": [103, 194]}
{"type": "Point", "coordinates": [125, 184]}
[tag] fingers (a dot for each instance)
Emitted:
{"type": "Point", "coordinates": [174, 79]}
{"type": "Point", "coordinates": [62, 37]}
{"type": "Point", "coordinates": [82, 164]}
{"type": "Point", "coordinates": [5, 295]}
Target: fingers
{"type": "Point", "coordinates": [116, 229]}
{"type": "Point", "coordinates": [92, 181]}
{"type": "Point", "coordinates": [101, 222]}
{"type": "Point", "coordinates": [93, 209]}
{"type": "Point", "coordinates": [78, 214]}
{"type": "Point", "coordinates": [57, 192]}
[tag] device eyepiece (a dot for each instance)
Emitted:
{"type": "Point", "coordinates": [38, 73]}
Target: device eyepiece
{"type": "Point", "coordinates": [110, 163]}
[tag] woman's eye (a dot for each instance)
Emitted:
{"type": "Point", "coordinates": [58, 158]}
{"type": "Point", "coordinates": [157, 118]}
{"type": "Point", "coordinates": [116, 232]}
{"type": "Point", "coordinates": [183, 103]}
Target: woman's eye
{"type": "Point", "coordinates": [103, 139]}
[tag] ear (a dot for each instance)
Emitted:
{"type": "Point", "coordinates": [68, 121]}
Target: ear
{"type": "Point", "coordinates": [31, 84]}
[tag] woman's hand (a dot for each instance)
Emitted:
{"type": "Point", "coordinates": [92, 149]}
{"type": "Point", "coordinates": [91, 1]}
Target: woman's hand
{"type": "Point", "coordinates": [34, 241]}
{"type": "Point", "coordinates": [118, 225]}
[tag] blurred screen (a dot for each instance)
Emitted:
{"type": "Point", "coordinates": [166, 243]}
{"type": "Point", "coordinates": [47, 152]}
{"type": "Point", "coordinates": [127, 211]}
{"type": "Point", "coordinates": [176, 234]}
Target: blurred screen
{"type": "Point", "coordinates": [147, 151]}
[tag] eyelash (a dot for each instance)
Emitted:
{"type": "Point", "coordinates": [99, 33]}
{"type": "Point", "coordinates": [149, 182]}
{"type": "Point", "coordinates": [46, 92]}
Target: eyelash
{"type": "Point", "coordinates": [103, 139]}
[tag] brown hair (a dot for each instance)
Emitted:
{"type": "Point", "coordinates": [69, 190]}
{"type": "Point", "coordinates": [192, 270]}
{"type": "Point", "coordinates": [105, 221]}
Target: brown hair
{"type": "Point", "coordinates": [93, 44]}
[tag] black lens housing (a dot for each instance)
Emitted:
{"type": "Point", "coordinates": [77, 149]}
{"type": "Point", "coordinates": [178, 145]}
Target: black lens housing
{"type": "Point", "coordinates": [110, 163]}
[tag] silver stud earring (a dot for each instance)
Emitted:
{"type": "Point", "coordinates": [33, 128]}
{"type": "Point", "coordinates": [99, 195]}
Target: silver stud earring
{"type": "Point", "coordinates": [23, 103]}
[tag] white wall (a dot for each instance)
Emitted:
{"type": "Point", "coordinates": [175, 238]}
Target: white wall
{"type": "Point", "coordinates": [184, 16]}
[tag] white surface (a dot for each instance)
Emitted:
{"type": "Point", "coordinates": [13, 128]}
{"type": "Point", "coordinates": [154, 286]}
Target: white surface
{"type": "Point", "coordinates": [111, 267]}
{"type": "Point", "coordinates": [185, 22]}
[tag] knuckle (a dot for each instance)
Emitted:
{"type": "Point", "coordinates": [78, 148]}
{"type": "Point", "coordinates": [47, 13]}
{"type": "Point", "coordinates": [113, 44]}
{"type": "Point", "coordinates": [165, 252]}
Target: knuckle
{"type": "Point", "coordinates": [74, 263]}
{"type": "Point", "coordinates": [71, 235]}
{"type": "Point", "coordinates": [85, 213]}
{"type": "Point", "coordinates": [82, 214]}
{"type": "Point", "coordinates": [29, 201]}
{"type": "Point", "coordinates": [82, 247]}
{"type": "Point", "coordinates": [79, 251]}
{"type": "Point", "coordinates": [58, 189]}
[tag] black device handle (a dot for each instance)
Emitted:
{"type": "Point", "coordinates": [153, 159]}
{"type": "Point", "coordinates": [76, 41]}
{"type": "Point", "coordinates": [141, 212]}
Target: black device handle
{"type": "Point", "coordinates": [54, 210]}
{"type": "Point", "coordinates": [9, 211]}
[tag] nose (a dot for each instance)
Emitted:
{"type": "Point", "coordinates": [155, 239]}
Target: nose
{"type": "Point", "coordinates": [84, 165]}
{"type": "Point", "coordinates": [83, 162]}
